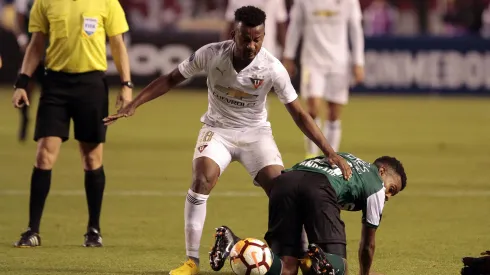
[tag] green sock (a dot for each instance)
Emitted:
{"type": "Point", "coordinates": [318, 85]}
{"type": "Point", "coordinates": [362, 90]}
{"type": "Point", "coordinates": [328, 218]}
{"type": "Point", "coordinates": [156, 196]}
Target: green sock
{"type": "Point", "coordinates": [337, 263]}
{"type": "Point", "coordinates": [276, 266]}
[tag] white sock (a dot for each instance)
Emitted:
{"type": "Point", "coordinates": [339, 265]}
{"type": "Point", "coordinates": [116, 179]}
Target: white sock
{"type": "Point", "coordinates": [333, 132]}
{"type": "Point", "coordinates": [311, 148]}
{"type": "Point", "coordinates": [194, 215]}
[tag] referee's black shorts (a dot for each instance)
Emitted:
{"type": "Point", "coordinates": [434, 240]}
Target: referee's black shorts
{"type": "Point", "coordinates": [82, 97]}
{"type": "Point", "coordinates": [304, 198]}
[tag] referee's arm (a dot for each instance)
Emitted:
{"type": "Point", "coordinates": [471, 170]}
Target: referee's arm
{"type": "Point", "coordinates": [115, 28]}
{"type": "Point", "coordinates": [39, 27]}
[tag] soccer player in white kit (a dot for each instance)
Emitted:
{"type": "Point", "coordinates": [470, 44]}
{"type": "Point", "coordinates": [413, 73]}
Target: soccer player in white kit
{"type": "Point", "coordinates": [235, 126]}
{"type": "Point", "coordinates": [324, 26]}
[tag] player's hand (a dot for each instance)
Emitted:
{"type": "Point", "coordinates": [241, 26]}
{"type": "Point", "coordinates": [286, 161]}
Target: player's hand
{"type": "Point", "coordinates": [124, 97]}
{"type": "Point", "coordinates": [358, 74]}
{"type": "Point", "coordinates": [341, 163]}
{"type": "Point", "coordinates": [126, 111]}
{"type": "Point", "coordinates": [19, 99]}
{"type": "Point", "coordinates": [290, 66]}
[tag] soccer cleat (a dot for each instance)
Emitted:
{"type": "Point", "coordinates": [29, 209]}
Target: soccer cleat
{"type": "Point", "coordinates": [188, 268]}
{"type": "Point", "coordinates": [319, 262]}
{"type": "Point", "coordinates": [28, 239]}
{"type": "Point", "coordinates": [224, 242]}
{"type": "Point", "coordinates": [93, 238]}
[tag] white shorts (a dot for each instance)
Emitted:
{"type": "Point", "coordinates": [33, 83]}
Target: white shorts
{"type": "Point", "coordinates": [254, 148]}
{"type": "Point", "coordinates": [333, 87]}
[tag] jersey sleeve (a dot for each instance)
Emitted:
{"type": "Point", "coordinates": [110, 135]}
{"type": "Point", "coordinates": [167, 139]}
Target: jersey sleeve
{"type": "Point", "coordinates": [282, 13]}
{"type": "Point", "coordinates": [294, 31]}
{"type": "Point", "coordinates": [116, 19]}
{"type": "Point", "coordinates": [38, 22]}
{"type": "Point", "coordinates": [197, 62]}
{"type": "Point", "coordinates": [230, 10]}
{"type": "Point", "coordinates": [356, 33]}
{"type": "Point", "coordinates": [371, 214]}
{"type": "Point", "coordinates": [282, 85]}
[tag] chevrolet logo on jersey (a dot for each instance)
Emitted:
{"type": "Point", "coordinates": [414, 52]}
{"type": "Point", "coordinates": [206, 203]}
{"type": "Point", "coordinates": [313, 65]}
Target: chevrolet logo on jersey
{"type": "Point", "coordinates": [325, 13]}
{"type": "Point", "coordinates": [231, 92]}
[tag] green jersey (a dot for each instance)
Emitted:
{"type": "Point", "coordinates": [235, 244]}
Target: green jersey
{"type": "Point", "coordinates": [365, 190]}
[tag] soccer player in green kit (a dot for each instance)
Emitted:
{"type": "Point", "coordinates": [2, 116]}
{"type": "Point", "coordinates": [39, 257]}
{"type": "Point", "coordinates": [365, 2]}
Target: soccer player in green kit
{"type": "Point", "coordinates": [312, 194]}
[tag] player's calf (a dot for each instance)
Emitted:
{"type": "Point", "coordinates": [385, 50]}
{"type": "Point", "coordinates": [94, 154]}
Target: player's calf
{"type": "Point", "coordinates": [225, 239]}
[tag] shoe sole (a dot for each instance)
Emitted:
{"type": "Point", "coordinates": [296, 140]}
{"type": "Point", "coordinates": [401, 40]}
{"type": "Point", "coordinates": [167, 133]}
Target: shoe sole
{"type": "Point", "coordinates": [215, 253]}
{"type": "Point", "coordinates": [318, 259]}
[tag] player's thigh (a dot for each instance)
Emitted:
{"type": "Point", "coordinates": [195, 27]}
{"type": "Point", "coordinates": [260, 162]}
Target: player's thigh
{"type": "Point", "coordinates": [89, 106]}
{"type": "Point", "coordinates": [337, 88]}
{"type": "Point", "coordinates": [53, 118]}
{"type": "Point", "coordinates": [312, 83]}
{"type": "Point", "coordinates": [321, 211]}
{"type": "Point", "coordinates": [285, 223]}
{"type": "Point", "coordinates": [213, 143]}
{"type": "Point", "coordinates": [257, 150]}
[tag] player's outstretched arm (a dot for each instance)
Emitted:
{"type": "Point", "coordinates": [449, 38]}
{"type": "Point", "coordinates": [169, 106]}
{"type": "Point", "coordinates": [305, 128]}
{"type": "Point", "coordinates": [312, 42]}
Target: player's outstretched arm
{"type": "Point", "coordinates": [157, 88]}
{"type": "Point", "coordinates": [366, 249]}
{"type": "Point", "coordinates": [311, 130]}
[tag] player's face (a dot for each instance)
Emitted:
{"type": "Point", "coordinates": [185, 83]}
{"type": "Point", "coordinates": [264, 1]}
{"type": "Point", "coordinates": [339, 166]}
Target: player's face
{"type": "Point", "coordinates": [248, 40]}
{"type": "Point", "coordinates": [392, 182]}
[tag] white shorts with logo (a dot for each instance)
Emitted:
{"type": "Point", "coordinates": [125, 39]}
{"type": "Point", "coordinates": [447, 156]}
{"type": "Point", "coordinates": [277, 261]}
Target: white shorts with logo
{"type": "Point", "coordinates": [333, 87]}
{"type": "Point", "coordinates": [254, 148]}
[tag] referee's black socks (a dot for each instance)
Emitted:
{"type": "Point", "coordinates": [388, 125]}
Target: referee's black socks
{"type": "Point", "coordinates": [94, 189]}
{"type": "Point", "coordinates": [40, 184]}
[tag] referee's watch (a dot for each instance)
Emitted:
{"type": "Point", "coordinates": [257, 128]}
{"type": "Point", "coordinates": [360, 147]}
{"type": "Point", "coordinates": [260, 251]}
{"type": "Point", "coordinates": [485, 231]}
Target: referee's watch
{"type": "Point", "coordinates": [128, 84]}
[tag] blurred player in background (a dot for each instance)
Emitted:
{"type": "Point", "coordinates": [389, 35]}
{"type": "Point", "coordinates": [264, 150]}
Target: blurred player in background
{"type": "Point", "coordinates": [74, 88]}
{"type": "Point", "coordinates": [324, 27]}
{"type": "Point", "coordinates": [239, 76]}
{"type": "Point", "coordinates": [312, 194]}
{"type": "Point", "coordinates": [23, 9]}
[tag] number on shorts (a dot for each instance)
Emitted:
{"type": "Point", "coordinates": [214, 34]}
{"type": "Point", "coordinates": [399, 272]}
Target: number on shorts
{"type": "Point", "coordinates": [207, 136]}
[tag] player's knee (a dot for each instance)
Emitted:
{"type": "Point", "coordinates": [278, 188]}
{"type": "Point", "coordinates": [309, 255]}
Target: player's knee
{"type": "Point", "coordinates": [202, 184]}
{"type": "Point", "coordinates": [333, 113]}
{"type": "Point", "coordinates": [313, 107]}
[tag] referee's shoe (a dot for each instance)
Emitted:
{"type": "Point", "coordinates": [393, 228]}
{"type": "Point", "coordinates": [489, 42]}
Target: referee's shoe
{"type": "Point", "coordinates": [28, 239]}
{"type": "Point", "coordinates": [93, 238]}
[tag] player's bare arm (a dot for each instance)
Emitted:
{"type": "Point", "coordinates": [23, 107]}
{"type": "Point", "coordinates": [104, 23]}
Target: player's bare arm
{"type": "Point", "coordinates": [156, 88]}
{"type": "Point", "coordinates": [311, 130]}
{"type": "Point", "coordinates": [33, 56]}
{"type": "Point", "coordinates": [281, 33]}
{"type": "Point", "coordinates": [366, 249]}
{"type": "Point", "coordinates": [121, 60]}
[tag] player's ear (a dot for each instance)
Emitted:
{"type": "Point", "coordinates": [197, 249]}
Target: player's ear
{"type": "Point", "coordinates": [381, 170]}
{"type": "Point", "coordinates": [233, 35]}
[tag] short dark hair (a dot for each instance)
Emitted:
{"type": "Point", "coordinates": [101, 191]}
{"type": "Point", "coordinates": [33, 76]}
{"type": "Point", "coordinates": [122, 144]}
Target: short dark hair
{"type": "Point", "coordinates": [250, 16]}
{"type": "Point", "coordinates": [396, 165]}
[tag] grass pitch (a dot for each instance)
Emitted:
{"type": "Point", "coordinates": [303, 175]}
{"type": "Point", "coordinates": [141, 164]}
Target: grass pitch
{"type": "Point", "coordinates": [440, 217]}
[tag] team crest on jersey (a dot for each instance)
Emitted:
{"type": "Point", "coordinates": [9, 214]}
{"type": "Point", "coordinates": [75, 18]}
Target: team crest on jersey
{"type": "Point", "coordinates": [201, 148]}
{"type": "Point", "coordinates": [257, 81]}
{"type": "Point", "coordinates": [90, 25]}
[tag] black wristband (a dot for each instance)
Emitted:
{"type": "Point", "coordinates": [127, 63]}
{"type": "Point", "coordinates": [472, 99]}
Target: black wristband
{"type": "Point", "coordinates": [22, 81]}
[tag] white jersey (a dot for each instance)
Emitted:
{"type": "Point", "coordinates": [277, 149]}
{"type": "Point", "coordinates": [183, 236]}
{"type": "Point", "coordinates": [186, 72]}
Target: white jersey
{"type": "Point", "coordinates": [324, 25]}
{"type": "Point", "coordinates": [237, 100]}
{"type": "Point", "coordinates": [275, 11]}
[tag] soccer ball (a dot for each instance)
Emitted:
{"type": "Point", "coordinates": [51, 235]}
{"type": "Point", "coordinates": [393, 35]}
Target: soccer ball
{"type": "Point", "coordinates": [250, 257]}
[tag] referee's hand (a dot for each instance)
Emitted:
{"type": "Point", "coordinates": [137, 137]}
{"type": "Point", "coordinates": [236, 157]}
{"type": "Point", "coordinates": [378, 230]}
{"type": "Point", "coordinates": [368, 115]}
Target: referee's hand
{"type": "Point", "coordinates": [19, 99]}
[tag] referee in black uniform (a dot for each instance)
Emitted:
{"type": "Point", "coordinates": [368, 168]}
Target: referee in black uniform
{"type": "Point", "coordinates": [74, 88]}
